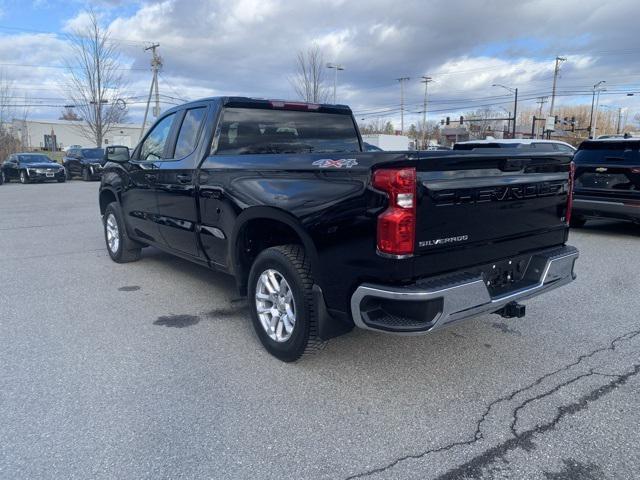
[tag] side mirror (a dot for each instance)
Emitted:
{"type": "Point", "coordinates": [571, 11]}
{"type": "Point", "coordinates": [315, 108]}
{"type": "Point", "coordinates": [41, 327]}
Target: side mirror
{"type": "Point", "coordinates": [118, 154]}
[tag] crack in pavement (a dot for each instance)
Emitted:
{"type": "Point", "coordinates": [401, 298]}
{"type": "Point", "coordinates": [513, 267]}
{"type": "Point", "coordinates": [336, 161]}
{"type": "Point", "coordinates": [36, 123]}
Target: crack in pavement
{"type": "Point", "coordinates": [524, 439]}
{"type": "Point", "coordinates": [474, 467]}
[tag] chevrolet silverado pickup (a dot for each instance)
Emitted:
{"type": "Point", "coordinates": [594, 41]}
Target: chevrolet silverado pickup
{"type": "Point", "coordinates": [322, 235]}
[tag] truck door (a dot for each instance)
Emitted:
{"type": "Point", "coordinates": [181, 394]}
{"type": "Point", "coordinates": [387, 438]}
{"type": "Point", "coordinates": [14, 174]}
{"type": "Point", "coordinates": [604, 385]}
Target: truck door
{"type": "Point", "coordinates": [175, 184]}
{"type": "Point", "coordinates": [139, 201]}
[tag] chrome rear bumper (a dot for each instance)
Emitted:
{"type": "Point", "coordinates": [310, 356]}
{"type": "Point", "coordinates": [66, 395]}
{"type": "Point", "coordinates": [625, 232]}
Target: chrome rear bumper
{"type": "Point", "coordinates": [461, 295]}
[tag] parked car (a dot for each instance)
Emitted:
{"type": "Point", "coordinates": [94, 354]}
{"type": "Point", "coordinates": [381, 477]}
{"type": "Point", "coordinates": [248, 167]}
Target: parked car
{"type": "Point", "coordinates": [31, 167]}
{"type": "Point", "coordinates": [71, 147]}
{"type": "Point", "coordinates": [323, 236]}
{"type": "Point", "coordinates": [519, 143]}
{"type": "Point", "coordinates": [607, 180]}
{"type": "Point", "coordinates": [84, 162]}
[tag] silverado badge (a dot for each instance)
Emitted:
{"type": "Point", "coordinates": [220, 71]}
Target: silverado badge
{"type": "Point", "coordinates": [601, 169]}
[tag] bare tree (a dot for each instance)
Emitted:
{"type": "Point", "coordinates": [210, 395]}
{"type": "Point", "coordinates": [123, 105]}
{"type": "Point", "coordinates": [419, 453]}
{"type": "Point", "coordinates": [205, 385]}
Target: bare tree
{"type": "Point", "coordinates": [309, 81]}
{"type": "Point", "coordinates": [8, 141]}
{"type": "Point", "coordinates": [377, 125]}
{"type": "Point", "coordinates": [69, 114]}
{"type": "Point", "coordinates": [95, 80]}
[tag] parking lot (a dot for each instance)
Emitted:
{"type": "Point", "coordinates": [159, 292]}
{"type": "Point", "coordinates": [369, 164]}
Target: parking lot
{"type": "Point", "coordinates": [152, 370]}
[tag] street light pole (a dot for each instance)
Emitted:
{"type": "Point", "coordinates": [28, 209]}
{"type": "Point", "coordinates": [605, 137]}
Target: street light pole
{"type": "Point", "coordinates": [336, 67]}
{"type": "Point", "coordinates": [515, 105]}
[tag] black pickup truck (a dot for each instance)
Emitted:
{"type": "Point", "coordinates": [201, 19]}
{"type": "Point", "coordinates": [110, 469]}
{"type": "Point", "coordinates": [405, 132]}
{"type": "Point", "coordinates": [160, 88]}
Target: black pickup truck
{"type": "Point", "coordinates": [323, 236]}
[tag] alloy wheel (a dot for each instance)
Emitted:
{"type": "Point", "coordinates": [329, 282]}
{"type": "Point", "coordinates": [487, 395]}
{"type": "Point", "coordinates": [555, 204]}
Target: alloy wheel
{"type": "Point", "coordinates": [275, 305]}
{"type": "Point", "coordinates": [113, 234]}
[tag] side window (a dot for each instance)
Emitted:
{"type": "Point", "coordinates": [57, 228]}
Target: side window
{"type": "Point", "coordinates": [153, 146]}
{"type": "Point", "coordinates": [188, 136]}
{"type": "Point", "coordinates": [562, 148]}
{"type": "Point", "coordinates": [543, 147]}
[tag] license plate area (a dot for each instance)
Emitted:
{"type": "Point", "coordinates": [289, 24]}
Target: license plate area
{"type": "Point", "coordinates": [505, 275]}
{"type": "Point", "coordinates": [49, 174]}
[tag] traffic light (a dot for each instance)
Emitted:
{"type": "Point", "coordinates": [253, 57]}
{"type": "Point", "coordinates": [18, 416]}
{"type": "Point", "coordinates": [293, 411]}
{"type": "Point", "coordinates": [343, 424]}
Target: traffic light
{"type": "Point", "coordinates": [555, 120]}
{"type": "Point", "coordinates": [461, 119]}
{"type": "Point", "coordinates": [442, 121]}
{"type": "Point", "coordinates": [448, 121]}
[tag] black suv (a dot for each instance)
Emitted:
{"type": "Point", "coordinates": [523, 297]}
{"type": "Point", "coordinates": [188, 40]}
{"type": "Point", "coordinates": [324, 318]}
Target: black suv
{"type": "Point", "coordinates": [607, 180]}
{"type": "Point", "coordinates": [84, 162]}
{"type": "Point", "coordinates": [30, 167]}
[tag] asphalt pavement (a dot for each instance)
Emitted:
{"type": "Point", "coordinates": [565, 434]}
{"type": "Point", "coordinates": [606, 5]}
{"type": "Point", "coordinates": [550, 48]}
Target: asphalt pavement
{"type": "Point", "coordinates": [151, 370]}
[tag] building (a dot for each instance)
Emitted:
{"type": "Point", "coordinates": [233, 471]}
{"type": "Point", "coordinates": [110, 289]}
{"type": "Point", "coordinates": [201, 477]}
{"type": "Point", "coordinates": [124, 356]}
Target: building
{"type": "Point", "coordinates": [451, 135]}
{"type": "Point", "coordinates": [57, 134]}
{"type": "Point", "coordinates": [387, 142]}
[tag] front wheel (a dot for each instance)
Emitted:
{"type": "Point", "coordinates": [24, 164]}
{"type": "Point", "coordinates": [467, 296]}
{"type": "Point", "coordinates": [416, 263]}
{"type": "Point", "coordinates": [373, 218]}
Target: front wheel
{"type": "Point", "coordinates": [85, 174]}
{"type": "Point", "coordinates": [281, 302]}
{"type": "Point", "coordinates": [23, 177]}
{"type": "Point", "coordinates": [67, 173]}
{"type": "Point", "coordinates": [121, 248]}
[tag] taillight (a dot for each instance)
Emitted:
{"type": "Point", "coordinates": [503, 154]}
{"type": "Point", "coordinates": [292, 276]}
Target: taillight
{"type": "Point", "coordinates": [397, 224]}
{"type": "Point", "coordinates": [572, 174]}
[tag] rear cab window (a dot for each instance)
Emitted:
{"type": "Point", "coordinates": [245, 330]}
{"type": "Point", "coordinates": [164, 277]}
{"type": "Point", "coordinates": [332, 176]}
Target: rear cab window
{"type": "Point", "coordinates": [246, 131]}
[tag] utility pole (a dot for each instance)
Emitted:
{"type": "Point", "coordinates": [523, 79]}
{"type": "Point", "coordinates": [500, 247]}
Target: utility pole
{"type": "Point", "coordinates": [595, 114]}
{"type": "Point", "coordinates": [593, 100]}
{"type": "Point", "coordinates": [555, 81]}
{"type": "Point", "coordinates": [619, 119]}
{"type": "Point", "coordinates": [156, 65]}
{"type": "Point", "coordinates": [336, 67]}
{"type": "Point", "coordinates": [515, 113]}
{"type": "Point", "coordinates": [541, 102]}
{"type": "Point", "coordinates": [402, 80]}
{"type": "Point", "coordinates": [426, 80]}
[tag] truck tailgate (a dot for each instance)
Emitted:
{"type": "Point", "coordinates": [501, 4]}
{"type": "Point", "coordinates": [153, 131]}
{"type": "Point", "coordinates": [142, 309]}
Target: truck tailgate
{"type": "Point", "coordinates": [488, 203]}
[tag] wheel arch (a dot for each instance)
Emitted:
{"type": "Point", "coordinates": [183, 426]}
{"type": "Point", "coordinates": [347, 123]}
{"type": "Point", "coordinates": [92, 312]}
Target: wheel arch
{"type": "Point", "coordinates": [245, 245]}
{"type": "Point", "coordinates": [106, 196]}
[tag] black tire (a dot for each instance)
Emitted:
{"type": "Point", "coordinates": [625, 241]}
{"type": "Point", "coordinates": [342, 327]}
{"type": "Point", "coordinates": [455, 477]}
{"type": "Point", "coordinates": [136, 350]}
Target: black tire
{"type": "Point", "coordinates": [24, 178]}
{"type": "Point", "coordinates": [1, 177]}
{"type": "Point", "coordinates": [85, 174]}
{"type": "Point", "coordinates": [67, 173]}
{"type": "Point", "coordinates": [62, 180]}
{"type": "Point", "coordinates": [127, 250]}
{"type": "Point", "coordinates": [291, 262]}
{"type": "Point", "coordinates": [5, 179]}
{"type": "Point", "coordinates": [577, 221]}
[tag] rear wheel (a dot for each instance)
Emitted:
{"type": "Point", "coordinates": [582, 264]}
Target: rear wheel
{"type": "Point", "coordinates": [2, 179]}
{"type": "Point", "coordinates": [281, 302]}
{"type": "Point", "coordinates": [23, 177]}
{"type": "Point", "coordinates": [121, 248]}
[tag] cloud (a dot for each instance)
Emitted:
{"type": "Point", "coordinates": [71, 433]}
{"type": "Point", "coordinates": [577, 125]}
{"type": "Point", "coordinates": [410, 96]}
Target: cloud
{"type": "Point", "coordinates": [248, 47]}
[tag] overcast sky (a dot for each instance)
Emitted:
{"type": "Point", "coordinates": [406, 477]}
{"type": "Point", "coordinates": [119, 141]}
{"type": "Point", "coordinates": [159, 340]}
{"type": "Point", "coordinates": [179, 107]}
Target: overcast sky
{"type": "Point", "coordinates": [248, 47]}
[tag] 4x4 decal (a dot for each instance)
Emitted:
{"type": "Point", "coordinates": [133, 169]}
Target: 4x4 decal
{"type": "Point", "coordinates": [340, 163]}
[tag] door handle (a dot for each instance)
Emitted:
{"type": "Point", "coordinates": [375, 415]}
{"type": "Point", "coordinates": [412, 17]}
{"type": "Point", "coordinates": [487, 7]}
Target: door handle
{"type": "Point", "coordinates": [183, 178]}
